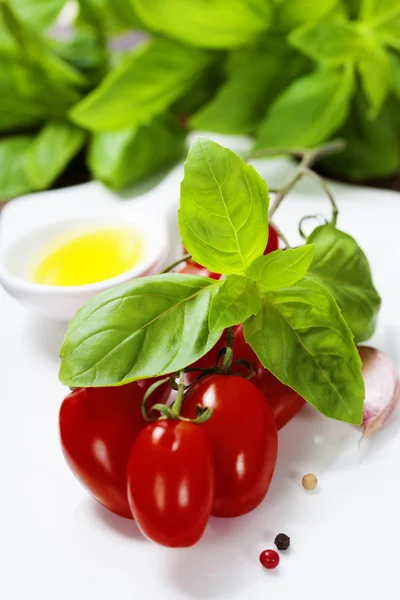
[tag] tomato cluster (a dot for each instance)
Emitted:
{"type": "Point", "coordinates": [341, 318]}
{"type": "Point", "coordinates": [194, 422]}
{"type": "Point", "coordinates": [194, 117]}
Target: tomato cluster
{"type": "Point", "coordinates": [171, 474]}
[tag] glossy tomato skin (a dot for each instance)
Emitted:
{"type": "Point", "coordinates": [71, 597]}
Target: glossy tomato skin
{"type": "Point", "coordinates": [284, 402]}
{"type": "Point", "coordinates": [245, 440]}
{"type": "Point", "coordinates": [160, 394]}
{"type": "Point", "coordinates": [98, 427]}
{"type": "Point", "coordinates": [273, 240]}
{"type": "Point", "coordinates": [170, 479]}
{"type": "Point", "coordinates": [192, 268]}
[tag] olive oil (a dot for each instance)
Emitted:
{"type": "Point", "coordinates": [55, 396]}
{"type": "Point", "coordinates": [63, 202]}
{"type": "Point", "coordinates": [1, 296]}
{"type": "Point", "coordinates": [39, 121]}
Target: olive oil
{"type": "Point", "coordinates": [82, 258]}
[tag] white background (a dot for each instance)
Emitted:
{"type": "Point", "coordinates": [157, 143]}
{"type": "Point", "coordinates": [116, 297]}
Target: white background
{"type": "Point", "coordinates": [57, 543]}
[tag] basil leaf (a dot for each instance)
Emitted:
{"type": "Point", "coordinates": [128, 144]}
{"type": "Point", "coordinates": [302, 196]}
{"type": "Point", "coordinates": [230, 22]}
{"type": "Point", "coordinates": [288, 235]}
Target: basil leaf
{"type": "Point", "coordinates": [301, 336]}
{"type": "Point", "coordinates": [372, 148]}
{"type": "Point", "coordinates": [289, 14]}
{"type": "Point", "coordinates": [20, 105]}
{"type": "Point", "coordinates": [149, 326]}
{"type": "Point", "coordinates": [242, 101]}
{"type": "Point", "coordinates": [281, 268]}
{"type": "Point", "coordinates": [51, 151]}
{"type": "Point", "coordinates": [35, 84]}
{"type": "Point", "coordinates": [146, 83]}
{"type": "Point", "coordinates": [395, 62]}
{"type": "Point", "coordinates": [40, 14]}
{"type": "Point", "coordinates": [333, 42]}
{"type": "Point", "coordinates": [234, 302]}
{"type": "Point", "coordinates": [205, 23]}
{"type": "Point", "coordinates": [20, 41]}
{"type": "Point", "coordinates": [376, 75]}
{"type": "Point", "coordinates": [13, 179]}
{"type": "Point", "coordinates": [343, 268]}
{"type": "Point", "coordinates": [120, 158]}
{"type": "Point", "coordinates": [384, 17]}
{"type": "Point", "coordinates": [223, 216]}
{"type": "Point", "coordinates": [308, 111]}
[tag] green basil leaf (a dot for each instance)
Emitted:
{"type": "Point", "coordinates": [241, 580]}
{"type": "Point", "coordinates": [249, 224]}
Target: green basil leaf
{"type": "Point", "coordinates": [207, 23]}
{"type": "Point", "coordinates": [223, 216]}
{"type": "Point", "coordinates": [242, 101]}
{"type": "Point", "coordinates": [234, 302]}
{"type": "Point", "coordinates": [308, 111]}
{"type": "Point", "coordinates": [301, 336]}
{"type": "Point", "coordinates": [289, 14]}
{"type": "Point", "coordinates": [372, 148]}
{"type": "Point", "coordinates": [13, 179]}
{"type": "Point", "coordinates": [40, 14]}
{"type": "Point", "coordinates": [150, 326]}
{"type": "Point", "coordinates": [144, 85]}
{"type": "Point", "coordinates": [333, 42]}
{"type": "Point", "coordinates": [35, 84]}
{"type": "Point", "coordinates": [120, 158]}
{"type": "Point", "coordinates": [281, 268]}
{"type": "Point", "coordinates": [51, 151]}
{"type": "Point", "coordinates": [20, 41]}
{"type": "Point", "coordinates": [376, 75]}
{"type": "Point", "coordinates": [21, 105]}
{"type": "Point", "coordinates": [384, 17]}
{"type": "Point", "coordinates": [341, 265]}
{"type": "Point", "coordinates": [395, 63]}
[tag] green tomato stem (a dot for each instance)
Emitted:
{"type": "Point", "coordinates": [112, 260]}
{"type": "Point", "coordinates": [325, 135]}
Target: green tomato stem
{"type": "Point", "coordinates": [309, 157]}
{"type": "Point", "coordinates": [177, 405]}
{"type": "Point", "coordinates": [177, 262]}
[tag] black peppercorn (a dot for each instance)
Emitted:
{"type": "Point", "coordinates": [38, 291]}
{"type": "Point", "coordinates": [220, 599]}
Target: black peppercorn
{"type": "Point", "coordinates": [282, 541]}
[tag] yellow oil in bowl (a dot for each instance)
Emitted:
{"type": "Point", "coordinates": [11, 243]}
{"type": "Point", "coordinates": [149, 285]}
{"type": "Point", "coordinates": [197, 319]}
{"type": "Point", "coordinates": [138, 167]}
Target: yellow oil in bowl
{"type": "Point", "coordinates": [88, 257]}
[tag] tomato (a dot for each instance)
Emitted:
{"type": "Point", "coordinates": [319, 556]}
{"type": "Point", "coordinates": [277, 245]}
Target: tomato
{"type": "Point", "coordinates": [160, 394]}
{"type": "Point", "coordinates": [98, 427]}
{"type": "Point", "coordinates": [245, 440]}
{"type": "Point", "coordinates": [273, 240]}
{"type": "Point", "coordinates": [284, 402]}
{"type": "Point", "coordinates": [170, 480]}
{"type": "Point", "coordinates": [195, 269]}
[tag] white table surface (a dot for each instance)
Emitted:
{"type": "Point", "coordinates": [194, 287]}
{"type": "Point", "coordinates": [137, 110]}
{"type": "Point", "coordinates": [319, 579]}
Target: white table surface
{"type": "Point", "coordinates": [58, 543]}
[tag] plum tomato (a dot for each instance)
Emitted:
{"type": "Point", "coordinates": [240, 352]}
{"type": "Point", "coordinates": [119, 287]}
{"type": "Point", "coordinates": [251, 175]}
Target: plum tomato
{"type": "Point", "coordinates": [284, 402]}
{"type": "Point", "coordinates": [160, 394]}
{"type": "Point", "coordinates": [170, 479]}
{"type": "Point", "coordinates": [245, 440]}
{"type": "Point", "coordinates": [192, 268]}
{"type": "Point", "coordinates": [98, 427]}
{"type": "Point", "coordinates": [273, 241]}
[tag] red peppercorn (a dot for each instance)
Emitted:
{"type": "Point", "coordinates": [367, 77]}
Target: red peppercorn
{"type": "Point", "coordinates": [269, 559]}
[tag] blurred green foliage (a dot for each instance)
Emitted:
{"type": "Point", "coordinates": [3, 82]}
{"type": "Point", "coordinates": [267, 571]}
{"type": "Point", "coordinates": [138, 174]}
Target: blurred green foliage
{"type": "Point", "coordinates": [290, 73]}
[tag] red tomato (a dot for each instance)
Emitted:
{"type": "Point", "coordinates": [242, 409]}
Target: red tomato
{"type": "Point", "coordinates": [273, 241]}
{"type": "Point", "coordinates": [170, 479]}
{"type": "Point", "coordinates": [284, 402]}
{"type": "Point", "coordinates": [245, 439]}
{"type": "Point", "coordinates": [160, 395]}
{"type": "Point", "coordinates": [195, 269]}
{"type": "Point", "coordinates": [98, 427]}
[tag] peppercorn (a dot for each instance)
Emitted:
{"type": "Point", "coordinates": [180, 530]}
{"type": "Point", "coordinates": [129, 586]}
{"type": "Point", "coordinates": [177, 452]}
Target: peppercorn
{"type": "Point", "coordinates": [282, 541]}
{"type": "Point", "coordinates": [309, 481]}
{"type": "Point", "coordinates": [269, 559]}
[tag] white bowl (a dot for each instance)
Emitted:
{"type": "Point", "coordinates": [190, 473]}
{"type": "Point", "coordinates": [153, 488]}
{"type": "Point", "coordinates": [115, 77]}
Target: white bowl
{"type": "Point", "coordinates": [62, 302]}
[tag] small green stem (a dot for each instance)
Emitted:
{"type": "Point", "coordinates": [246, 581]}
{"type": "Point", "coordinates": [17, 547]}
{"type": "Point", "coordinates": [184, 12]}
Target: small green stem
{"type": "Point", "coordinates": [281, 235]}
{"type": "Point", "coordinates": [228, 356]}
{"type": "Point", "coordinates": [177, 405]}
{"type": "Point", "coordinates": [177, 262]}
{"type": "Point", "coordinates": [321, 181]}
{"type": "Point", "coordinates": [309, 157]}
